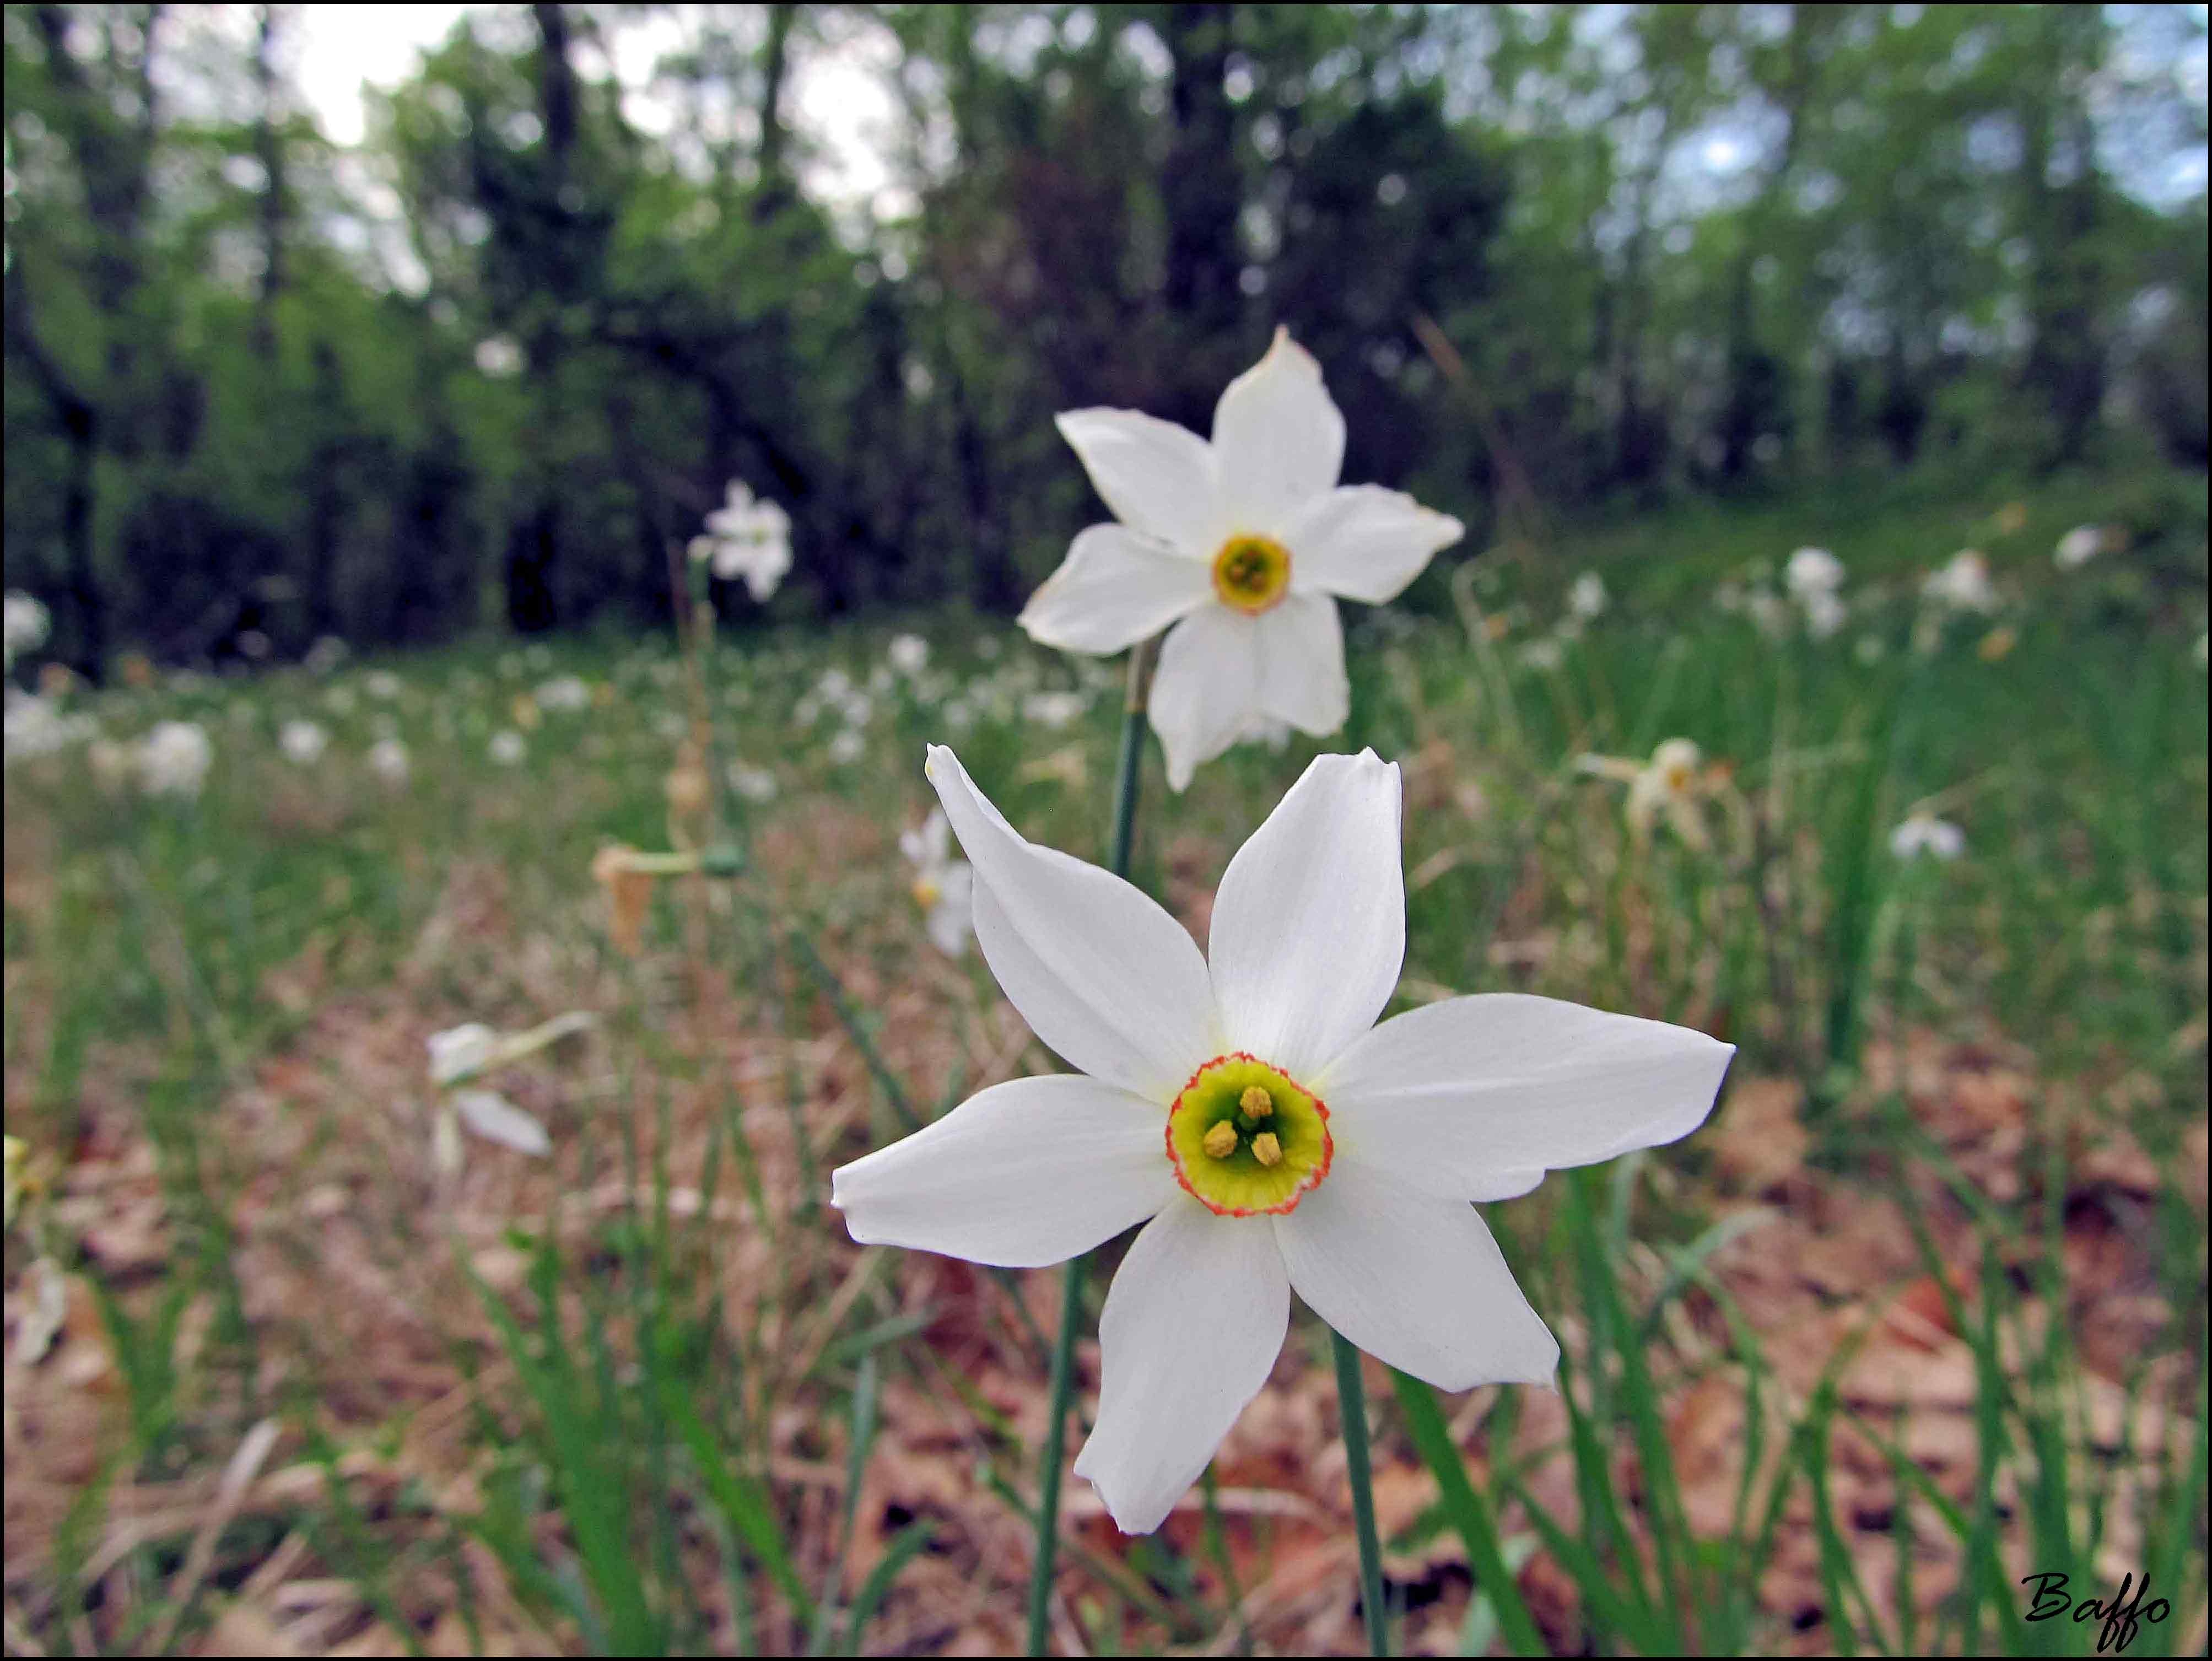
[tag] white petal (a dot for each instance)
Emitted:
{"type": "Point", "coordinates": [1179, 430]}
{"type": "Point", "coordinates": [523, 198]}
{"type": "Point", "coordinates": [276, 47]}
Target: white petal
{"type": "Point", "coordinates": [1364, 542]}
{"type": "Point", "coordinates": [1278, 438]}
{"type": "Point", "coordinates": [1103, 976]}
{"type": "Point", "coordinates": [1207, 688]}
{"type": "Point", "coordinates": [1025, 1173]}
{"type": "Point", "coordinates": [1157, 477]}
{"type": "Point", "coordinates": [1414, 1281]}
{"type": "Point", "coordinates": [494, 1118]}
{"type": "Point", "coordinates": [1310, 923]}
{"type": "Point", "coordinates": [1113, 589]}
{"type": "Point", "coordinates": [1302, 677]}
{"type": "Point", "coordinates": [1468, 1097]}
{"type": "Point", "coordinates": [1193, 1324]}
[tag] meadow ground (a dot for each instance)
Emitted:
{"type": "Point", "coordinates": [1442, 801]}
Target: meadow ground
{"type": "Point", "coordinates": [299, 1360]}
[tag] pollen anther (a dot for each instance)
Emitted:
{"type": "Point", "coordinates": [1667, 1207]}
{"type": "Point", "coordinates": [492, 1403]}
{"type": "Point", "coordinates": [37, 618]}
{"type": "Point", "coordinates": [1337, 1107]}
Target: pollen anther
{"type": "Point", "coordinates": [1266, 1149]}
{"type": "Point", "coordinates": [1255, 1102]}
{"type": "Point", "coordinates": [1221, 1141]}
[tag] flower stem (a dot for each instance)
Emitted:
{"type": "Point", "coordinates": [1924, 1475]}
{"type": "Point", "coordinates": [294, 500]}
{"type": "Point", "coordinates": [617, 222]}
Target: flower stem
{"type": "Point", "coordinates": [1127, 772]}
{"type": "Point", "coordinates": [1351, 1407]}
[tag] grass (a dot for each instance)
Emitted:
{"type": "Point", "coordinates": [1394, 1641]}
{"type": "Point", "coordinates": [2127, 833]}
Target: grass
{"type": "Point", "coordinates": [1919, 1313]}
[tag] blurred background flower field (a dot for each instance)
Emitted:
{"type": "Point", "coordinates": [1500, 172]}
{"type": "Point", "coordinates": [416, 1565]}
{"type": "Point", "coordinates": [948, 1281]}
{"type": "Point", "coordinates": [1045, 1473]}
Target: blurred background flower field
{"type": "Point", "coordinates": [1824, 668]}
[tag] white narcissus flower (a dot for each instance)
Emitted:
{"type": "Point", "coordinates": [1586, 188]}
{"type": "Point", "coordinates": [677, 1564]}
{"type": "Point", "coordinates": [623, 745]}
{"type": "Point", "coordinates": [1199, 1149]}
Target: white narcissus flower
{"type": "Point", "coordinates": [2078, 547]}
{"type": "Point", "coordinates": [1963, 583]}
{"type": "Point", "coordinates": [1246, 1103]}
{"type": "Point", "coordinates": [747, 538]}
{"type": "Point", "coordinates": [1670, 782]}
{"type": "Point", "coordinates": [1239, 547]}
{"type": "Point", "coordinates": [944, 887]}
{"type": "Point", "coordinates": [1812, 571]}
{"type": "Point", "coordinates": [1924, 833]}
{"type": "Point", "coordinates": [388, 760]}
{"type": "Point", "coordinates": [1586, 599]}
{"type": "Point", "coordinates": [24, 624]}
{"type": "Point", "coordinates": [174, 759]}
{"type": "Point", "coordinates": [508, 748]}
{"type": "Point", "coordinates": [302, 742]}
{"type": "Point", "coordinates": [908, 655]}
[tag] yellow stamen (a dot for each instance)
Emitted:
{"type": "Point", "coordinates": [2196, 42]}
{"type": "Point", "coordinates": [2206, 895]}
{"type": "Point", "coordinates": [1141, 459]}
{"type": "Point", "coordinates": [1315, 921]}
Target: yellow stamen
{"type": "Point", "coordinates": [1256, 1102]}
{"type": "Point", "coordinates": [1251, 574]}
{"type": "Point", "coordinates": [1221, 1141]}
{"type": "Point", "coordinates": [1266, 1149]}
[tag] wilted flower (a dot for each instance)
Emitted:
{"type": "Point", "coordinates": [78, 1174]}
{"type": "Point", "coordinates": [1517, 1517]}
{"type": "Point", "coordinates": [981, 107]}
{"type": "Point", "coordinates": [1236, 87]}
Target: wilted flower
{"type": "Point", "coordinates": [24, 624]}
{"type": "Point", "coordinates": [629, 891]}
{"type": "Point", "coordinates": [944, 887]}
{"type": "Point", "coordinates": [1274, 1136]}
{"type": "Point", "coordinates": [1962, 583]}
{"type": "Point", "coordinates": [302, 742]}
{"type": "Point", "coordinates": [1243, 544]}
{"type": "Point", "coordinates": [1670, 782]}
{"type": "Point", "coordinates": [507, 747]}
{"type": "Point", "coordinates": [1922, 833]}
{"type": "Point", "coordinates": [747, 538]}
{"type": "Point", "coordinates": [387, 759]}
{"type": "Point", "coordinates": [2078, 547]}
{"type": "Point", "coordinates": [1586, 599]}
{"type": "Point", "coordinates": [174, 759]}
{"type": "Point", "coordinates": [461, 1053]}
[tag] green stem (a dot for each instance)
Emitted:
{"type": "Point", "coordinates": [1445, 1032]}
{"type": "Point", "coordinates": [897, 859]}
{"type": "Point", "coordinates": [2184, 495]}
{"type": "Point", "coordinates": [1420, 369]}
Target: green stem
{"type": "Point", "coordinates": [1126, 776]}
{"type": "Point", "coordinates": [1352, 1408]}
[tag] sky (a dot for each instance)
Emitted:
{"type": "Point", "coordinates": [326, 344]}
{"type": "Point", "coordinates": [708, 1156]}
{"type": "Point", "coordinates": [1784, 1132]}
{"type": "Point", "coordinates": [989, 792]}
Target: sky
{"type": "Point", "coordinates": [839, 98]}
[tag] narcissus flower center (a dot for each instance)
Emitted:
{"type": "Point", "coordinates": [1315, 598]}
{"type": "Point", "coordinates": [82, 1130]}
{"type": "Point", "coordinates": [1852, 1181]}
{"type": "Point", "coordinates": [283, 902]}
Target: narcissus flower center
{"type": "Point", "coordinates": [1251, 573]}
{"type": "Point", "coordinates": [1245, 1140]}
{"type": "Point", "coordinates": [927, 892]}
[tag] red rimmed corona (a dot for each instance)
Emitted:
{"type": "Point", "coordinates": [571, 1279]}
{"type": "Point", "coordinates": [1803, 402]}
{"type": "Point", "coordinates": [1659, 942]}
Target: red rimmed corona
{"type": "Point", "coordinates": [1246, 1140]}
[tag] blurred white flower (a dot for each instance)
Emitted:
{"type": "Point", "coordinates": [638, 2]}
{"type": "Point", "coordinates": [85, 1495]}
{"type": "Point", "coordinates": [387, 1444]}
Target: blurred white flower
{"type": "Point", "coordinates": [460, 1053]}
{"type": "Point", "coordinates": [302, 742]}
{"type": "Point", "coordinates": [944, 887]}
{"type": "Point", "coordinates": [2078, 547]}
{"type": "Point", "coordinates": [1962, 583]}
{"type": "Point", "coordinates": [1245, 1106]}
{"type": "Point", "coordinates": [1922, 833]}
{"type": "Point", "coordinates": [382, 684]}
{"type": "Point", "coordinates": [908, 653]}
{"type": "Point", "coordinates": [507, 747]}
{"type": "Point", "coordinates": [1240, 548]}
{"type": "Point", "coordinates": [565, 692]}
{"type": "Point", "coordinates": [752, 784]}
{"type": "Point", "coordinates": [24, 625]}
{"type": "Point", "coordinates": [1266, 730]}
{"type": "Point", "coordinates": [338, 700]}
{"type": "Point", "coordinates": [174, 759]}
{"type": "Point", "coordinates": [1825, 613]}
{"type": "Point", "coordinates": [35, 726]}
{"type": "Point", "coordinates": [388, 760]}
{"type": "Point", "coordinates": [1670, 782]}
{"type": "Point", "coordinates": [1812, 571]}
{"type": "Point", "coordinates": [1054, 711]}
{"type": "Point", "coordinates": [324, 655]}
{"type": "Point", "coordinates": [747, 538]}
{"type": "Point", "coordinates": [1586, 599]}
{"type": "Point", "coordinates": [846, 747]}
{"type": "Point", "coordinates": [1769, 611]}
{"type": "Point", "coordinates": [1545, 654]}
